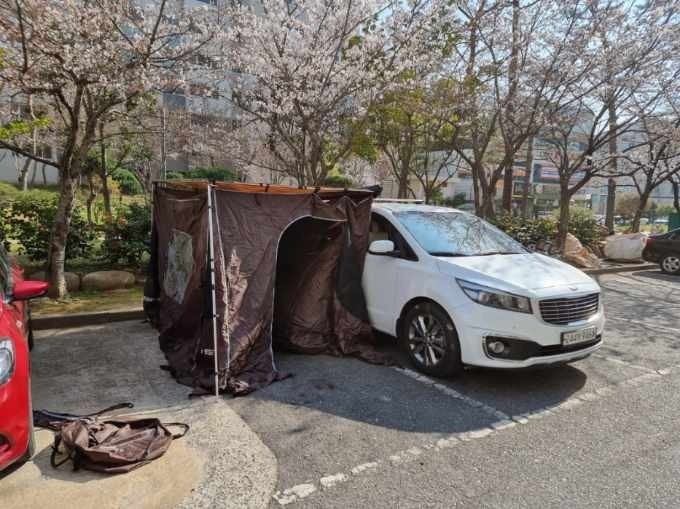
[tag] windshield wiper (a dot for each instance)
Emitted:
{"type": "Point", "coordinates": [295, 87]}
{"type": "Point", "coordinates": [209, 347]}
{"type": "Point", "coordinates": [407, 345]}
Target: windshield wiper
{"type": "Point", "coordinates": [491, 253]}
{"type": "Point", "coordinates": [447, 253]}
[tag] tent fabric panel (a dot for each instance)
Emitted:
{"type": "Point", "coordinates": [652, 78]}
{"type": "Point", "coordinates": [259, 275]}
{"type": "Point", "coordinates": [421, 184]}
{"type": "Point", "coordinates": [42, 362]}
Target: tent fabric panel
{"type": "Point", "coordinates": [181, 242]}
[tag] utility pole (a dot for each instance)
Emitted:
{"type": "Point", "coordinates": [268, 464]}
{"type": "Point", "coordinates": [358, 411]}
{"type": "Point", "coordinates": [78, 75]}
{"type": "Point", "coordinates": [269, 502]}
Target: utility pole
{"type": "Point", "coordinates": [163, 148]}
{"type": "Point", "coordinates": [528, 177]}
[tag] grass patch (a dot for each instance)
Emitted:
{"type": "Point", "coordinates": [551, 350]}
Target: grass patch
{"type": "Point", "coordinates": [90, 302]}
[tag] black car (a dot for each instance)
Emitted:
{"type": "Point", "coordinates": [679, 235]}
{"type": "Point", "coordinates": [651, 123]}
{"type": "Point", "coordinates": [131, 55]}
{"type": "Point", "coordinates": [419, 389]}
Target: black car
{"type": "Point", "coordinates": [664, 249]}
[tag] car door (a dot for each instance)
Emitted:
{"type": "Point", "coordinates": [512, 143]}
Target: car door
{"type": "Point", "coordinates": [668, 244]}
{"type": "Point", "coordinates": [382, 275]}
{"type": "Point", "coordinates": [674, 242]}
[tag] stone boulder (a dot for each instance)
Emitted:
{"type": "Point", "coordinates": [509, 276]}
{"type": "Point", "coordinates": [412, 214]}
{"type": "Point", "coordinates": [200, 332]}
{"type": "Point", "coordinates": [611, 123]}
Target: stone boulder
{"type": "Point", "coordinates": [72, 279]}
{"type": "Point", "coordinates": [579, 255]}
{"type": "Point", "coordinates": [108, 280]}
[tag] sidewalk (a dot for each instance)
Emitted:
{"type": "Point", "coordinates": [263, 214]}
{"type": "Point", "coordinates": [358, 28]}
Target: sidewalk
{"type": "Point", "coordinates": [220, 462]}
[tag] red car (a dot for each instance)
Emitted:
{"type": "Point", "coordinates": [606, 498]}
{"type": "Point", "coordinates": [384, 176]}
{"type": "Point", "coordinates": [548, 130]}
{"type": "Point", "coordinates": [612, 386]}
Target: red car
{"type": "Point", "coordinates": [16, 419]}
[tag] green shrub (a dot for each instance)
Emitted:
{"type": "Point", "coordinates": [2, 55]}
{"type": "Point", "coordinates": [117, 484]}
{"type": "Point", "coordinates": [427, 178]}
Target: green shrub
{"type": "Point", "coordinates": [456, 201]}
{"type": "Point", "coordinates": [28, 221]}
{"type": "Point", "coordinates": [127, 182]}
{"type": "Point", "coordinates": [527, 231]}
{"type": "Point", "coordinates": [214, 173]}
{"type": "Point", "coordinates": [127, 237]}
{"type": "Point", "coordinates": [7, 193]}
{"type": "Point", "coordinates": [583, 226]}
{"type": "Point", "coordinates": [175, 175]}
{"type": "Point", "coordinates": [337, 180]}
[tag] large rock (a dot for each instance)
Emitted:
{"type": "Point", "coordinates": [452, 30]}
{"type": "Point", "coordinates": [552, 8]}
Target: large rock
{"type": "Point", "coordinates": [579, 255]}
{"type": "Point", "coordinates": [626, 247]}
{"type": "Point", "coordinates": [72, 279]}
{"type": "Point", "coordinates": [108, 280]}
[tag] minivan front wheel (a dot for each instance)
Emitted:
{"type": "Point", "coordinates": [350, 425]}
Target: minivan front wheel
{"type": "Point", "coordinates": [670, 264]}
{"type": "Point", "coordinates": [430, 340]}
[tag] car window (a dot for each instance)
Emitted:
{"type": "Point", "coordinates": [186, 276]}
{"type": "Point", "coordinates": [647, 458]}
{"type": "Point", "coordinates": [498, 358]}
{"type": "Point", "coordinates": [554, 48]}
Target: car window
{"type": "Point", "coordinates": [382, 229]}
{"type": "Point", "coordinates": [457, 234]}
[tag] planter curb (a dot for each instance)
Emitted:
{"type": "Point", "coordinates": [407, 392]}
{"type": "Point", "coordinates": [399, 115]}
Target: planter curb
{"type": "Point", "coordinates": [80, 319]}
{"type": "Point", "coordinates": [622, 268]}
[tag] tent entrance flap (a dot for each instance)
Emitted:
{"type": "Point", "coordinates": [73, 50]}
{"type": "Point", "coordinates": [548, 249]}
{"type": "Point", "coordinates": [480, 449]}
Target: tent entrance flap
{"type": "Point", "coordinates": [306, 269]}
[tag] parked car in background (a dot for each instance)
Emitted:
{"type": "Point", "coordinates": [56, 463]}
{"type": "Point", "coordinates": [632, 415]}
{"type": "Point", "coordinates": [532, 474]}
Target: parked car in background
{"type": "Point", "coordinates": [664, 249]}
{"type": "Point", "coordinates": [16, 419]}
{"type": "Point", "coordinates": [457, 291]}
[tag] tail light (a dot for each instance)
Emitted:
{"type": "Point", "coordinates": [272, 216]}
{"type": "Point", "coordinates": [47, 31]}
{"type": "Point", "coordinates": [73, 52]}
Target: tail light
{"type": "Point", "coordinates": [649, 241]}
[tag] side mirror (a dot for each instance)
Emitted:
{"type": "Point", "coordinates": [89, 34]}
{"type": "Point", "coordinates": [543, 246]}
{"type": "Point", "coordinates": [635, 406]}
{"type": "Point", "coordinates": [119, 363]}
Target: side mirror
{"type": "Point", "coordinates": [382, 248]}
{"type": "Point", "coordinates": [26, 290]}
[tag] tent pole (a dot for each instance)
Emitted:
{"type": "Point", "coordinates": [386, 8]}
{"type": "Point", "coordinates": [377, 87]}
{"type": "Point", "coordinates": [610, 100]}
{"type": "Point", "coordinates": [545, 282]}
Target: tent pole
{"type": "Point", "coordinates": [211, 251]}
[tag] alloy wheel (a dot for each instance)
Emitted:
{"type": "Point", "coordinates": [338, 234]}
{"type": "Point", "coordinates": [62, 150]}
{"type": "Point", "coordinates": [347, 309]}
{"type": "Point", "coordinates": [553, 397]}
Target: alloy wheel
{"type": "Point", "coordinates": [671, 264]}
{"type": "Point", "coordinates": [427, 339]}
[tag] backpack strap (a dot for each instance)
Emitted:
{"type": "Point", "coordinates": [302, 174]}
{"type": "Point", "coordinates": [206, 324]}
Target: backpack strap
{"type": "Point", "coordinates": [70, 455]}
{"type": "Point", "coordinates": [111, 408]}
{"type": "Point", "coordinates": [180, 425]}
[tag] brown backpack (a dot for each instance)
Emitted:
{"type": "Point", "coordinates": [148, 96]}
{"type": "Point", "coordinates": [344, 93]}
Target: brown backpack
{"type": "Point", "coordinates": [112, 446]}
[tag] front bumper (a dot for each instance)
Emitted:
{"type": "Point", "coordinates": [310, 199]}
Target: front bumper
{"type": "Point", "coordinates": [15, 410]}
{"type": "Point", "coordinates": [538, 342]}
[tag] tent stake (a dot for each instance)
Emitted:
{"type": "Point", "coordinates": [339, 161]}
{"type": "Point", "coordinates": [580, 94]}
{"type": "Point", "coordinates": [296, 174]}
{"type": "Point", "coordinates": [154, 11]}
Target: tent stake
{"type": "Point", "coordinates": [211, 251]}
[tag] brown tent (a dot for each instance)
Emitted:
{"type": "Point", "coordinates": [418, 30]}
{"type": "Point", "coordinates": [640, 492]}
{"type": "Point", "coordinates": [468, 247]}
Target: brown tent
{"type": "Point", "coordinates": [287, 269]}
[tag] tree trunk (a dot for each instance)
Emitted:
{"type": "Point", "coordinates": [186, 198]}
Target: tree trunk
{"type": "Point", "coordinates": [611, 205]}
{"type": "Point", "coordinates": [487, 208]}
{"type": "Point", "coordinates": [23, 174]}
{"type": "Point", "coordinates": [644, 198]}
{"type": "Point", "coordinates": [676, 194]}
{"type": "Point", "coordinates": [91, 197]}
{"type": "Point", "coordinates": [402, 191]}
{"type": "Point", "coordinates": [507, 188]}
{"type": "Point", "coordinates": [613, 163]}
{"type": "Point", "coordinates": [106, 194]}
{"type": "Point", "coordinates": [527, 177]}
{"type": "Point", "coordinates": [56, 253]}
{"type": "Point", "coordinates": [563, 228]}
{"type": "Point", "coordinates": [510, 120]}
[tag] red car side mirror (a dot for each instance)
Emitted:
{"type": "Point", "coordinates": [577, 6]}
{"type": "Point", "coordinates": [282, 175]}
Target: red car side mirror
{"type": "Point", "coordinates": [26, 290]}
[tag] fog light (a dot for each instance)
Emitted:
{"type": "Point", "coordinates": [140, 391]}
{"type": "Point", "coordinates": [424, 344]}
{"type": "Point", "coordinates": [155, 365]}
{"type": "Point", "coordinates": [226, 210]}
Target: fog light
{"type": "Point", "coordinates": [497, 347]}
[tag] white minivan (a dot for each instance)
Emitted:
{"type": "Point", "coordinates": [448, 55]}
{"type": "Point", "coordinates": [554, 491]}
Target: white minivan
{"type": "Point", "coordinates": [457, 291]}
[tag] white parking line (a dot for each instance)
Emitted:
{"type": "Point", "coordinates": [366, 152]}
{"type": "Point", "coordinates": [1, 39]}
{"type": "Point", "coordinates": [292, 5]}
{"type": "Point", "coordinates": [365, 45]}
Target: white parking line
{"type": "Point", "coordinates": [647, 325]}
{"type": "Point", "coordinates": [453, 393]}
{"type": "Point", "coordinates": [304, 490]}
{"type": "Point", "coordinates": [625, 363]}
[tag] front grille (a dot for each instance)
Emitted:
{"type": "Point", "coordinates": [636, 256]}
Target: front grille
{"type": "Point", "coordinates": [564, 311]}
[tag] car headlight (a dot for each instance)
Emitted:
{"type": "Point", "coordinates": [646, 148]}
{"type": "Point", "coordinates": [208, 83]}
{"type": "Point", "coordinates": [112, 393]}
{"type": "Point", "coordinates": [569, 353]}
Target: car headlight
{"type": "Point", "coordinates": [6, 360]}
{"type": "Point", "coordinates": [495, 298]}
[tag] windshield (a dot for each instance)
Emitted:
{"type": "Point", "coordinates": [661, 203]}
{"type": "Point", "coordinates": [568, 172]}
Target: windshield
{"type": "Point", "coordinates": [456, 234]}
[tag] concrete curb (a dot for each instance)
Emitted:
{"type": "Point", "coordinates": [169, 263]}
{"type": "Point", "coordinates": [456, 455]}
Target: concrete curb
{"type": "Point", "coordinates": [80, 319]}
{"type": "Point", "coordinates": [622, 268]}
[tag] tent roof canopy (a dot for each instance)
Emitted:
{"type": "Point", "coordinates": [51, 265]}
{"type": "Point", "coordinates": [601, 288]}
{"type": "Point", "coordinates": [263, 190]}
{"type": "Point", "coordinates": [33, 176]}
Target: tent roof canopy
{"type": "Point", "coordinates": [240, 187]}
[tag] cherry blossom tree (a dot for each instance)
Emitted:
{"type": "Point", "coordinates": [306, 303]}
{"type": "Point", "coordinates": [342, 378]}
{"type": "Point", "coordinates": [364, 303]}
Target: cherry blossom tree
{"type": "Point", "coordinates": [516, 60]}
{"type": "Point", "coordinates": [309, 70]}
{"type": "Point", "coordinates": [653, 160]}
{"type": "Point", "coordinates": [81, 59]}
{"type": "Point", "coordinates": [632, 49]}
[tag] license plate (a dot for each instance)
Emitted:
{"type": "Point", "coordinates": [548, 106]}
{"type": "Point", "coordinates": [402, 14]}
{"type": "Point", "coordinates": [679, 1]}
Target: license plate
{"type": "Point", "coordinates": [579, 336]}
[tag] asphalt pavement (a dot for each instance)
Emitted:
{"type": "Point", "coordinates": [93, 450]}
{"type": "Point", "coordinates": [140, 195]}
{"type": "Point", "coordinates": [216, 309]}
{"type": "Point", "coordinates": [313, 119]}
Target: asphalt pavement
{"type": "Point", "coordinates": [602, 432]}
